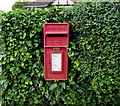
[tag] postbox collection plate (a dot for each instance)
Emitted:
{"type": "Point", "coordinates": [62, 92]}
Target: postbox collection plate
{"type": "Point", "coordinates": [56, 61]}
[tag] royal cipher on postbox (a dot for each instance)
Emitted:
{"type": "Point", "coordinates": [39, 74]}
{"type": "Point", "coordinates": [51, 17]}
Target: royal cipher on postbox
{"type": "Point", "coordinates": [56, 39]}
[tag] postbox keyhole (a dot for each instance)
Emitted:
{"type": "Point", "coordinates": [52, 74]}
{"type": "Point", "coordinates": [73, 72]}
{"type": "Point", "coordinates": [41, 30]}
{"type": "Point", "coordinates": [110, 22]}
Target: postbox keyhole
{"type": "Point", "coordinates": [56, 49]}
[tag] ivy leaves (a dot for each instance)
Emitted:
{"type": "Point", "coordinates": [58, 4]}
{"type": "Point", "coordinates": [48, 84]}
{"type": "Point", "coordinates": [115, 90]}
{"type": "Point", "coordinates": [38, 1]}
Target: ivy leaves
{"type": "Point", "coordinates": [93, 75]}
{"type": "Point", "coordinates": [92, 56]}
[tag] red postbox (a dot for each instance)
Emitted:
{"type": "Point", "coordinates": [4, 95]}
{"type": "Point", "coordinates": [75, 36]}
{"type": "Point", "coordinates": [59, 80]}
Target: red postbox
{"type": "Point", "coordinates": [56, 38]}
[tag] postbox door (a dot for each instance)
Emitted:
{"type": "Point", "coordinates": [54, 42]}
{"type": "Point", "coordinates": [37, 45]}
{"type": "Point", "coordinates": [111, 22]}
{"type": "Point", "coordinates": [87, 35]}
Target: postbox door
{"type": "Point", "coordinates": [56, 65]}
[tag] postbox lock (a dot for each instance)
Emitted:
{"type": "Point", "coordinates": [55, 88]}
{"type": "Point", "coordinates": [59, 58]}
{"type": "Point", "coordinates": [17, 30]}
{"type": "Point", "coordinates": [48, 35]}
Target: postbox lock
{"type": "Point", "coordinates": [56, 49]}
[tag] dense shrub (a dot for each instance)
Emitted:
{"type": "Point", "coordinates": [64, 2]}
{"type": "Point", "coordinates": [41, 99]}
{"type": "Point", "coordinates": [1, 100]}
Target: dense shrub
{"type": "Point", "coordinates": [0, 53]}
{"type": "Point", "coordinates": [94, 74]}
{"type": "Point", "coordinates": [20, 5]}
{"type": "Point", "coordinates": [94, 52]}
{"type": "Point", "coordinates": [0, 20]}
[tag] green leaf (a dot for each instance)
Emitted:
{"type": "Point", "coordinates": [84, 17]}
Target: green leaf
{"type": "Point", "coordinates": [53, 86]}
{"type": "Point", "coordinates": [63, 85]}
{"type": "Point", "coordinates": [11, 58]}
{"type": "Point", "coordinates": [29, 43]}
{"type": "Point", "coordinates": [12, 69]}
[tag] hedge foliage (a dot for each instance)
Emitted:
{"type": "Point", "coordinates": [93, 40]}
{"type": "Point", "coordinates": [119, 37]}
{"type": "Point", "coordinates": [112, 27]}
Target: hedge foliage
{"type": "Point", "coordinates": [94, 70]}
{"type": "Point", "coordinates": [95, 52]}
{"type": "Point", "coordinates": [20, 4]}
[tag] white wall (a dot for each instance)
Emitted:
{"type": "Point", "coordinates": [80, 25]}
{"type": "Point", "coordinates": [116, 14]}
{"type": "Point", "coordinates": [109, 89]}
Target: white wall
{"type": "Point", "coordinates": [62, 2]}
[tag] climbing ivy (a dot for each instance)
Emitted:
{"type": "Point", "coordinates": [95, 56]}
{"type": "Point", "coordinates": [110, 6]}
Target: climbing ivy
{"type": "Point", "coordinates": [94, 71]}
{"type": "Point", "coordinates": [20, 4]}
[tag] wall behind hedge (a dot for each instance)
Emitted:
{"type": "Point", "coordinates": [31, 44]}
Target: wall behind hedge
{"type": "Point", "coordinates": [94, 72]}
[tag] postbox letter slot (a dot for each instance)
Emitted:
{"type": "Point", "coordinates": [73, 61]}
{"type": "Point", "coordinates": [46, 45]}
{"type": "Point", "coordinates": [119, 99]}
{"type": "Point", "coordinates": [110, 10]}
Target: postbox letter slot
{"type": "Point", "coordinates": [56, 35]}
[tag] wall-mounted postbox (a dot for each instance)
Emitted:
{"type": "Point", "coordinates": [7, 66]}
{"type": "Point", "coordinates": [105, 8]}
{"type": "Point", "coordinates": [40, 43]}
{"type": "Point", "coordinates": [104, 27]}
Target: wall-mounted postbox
{"type": "Point", "coordinates": [56, 39]}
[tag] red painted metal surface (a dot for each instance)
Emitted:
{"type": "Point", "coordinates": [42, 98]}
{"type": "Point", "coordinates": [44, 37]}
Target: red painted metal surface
{"type": "Point", "coordinates": [56, 38]}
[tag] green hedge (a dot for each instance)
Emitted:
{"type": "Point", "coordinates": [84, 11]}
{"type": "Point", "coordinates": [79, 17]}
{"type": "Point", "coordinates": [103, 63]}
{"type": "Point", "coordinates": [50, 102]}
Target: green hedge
{"type": "Point", "coordinates": [94, 52]}
{"type": "Point", "coordinates": [94, 71]}
{"type": "Point", "coordinates": [20, 4]}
